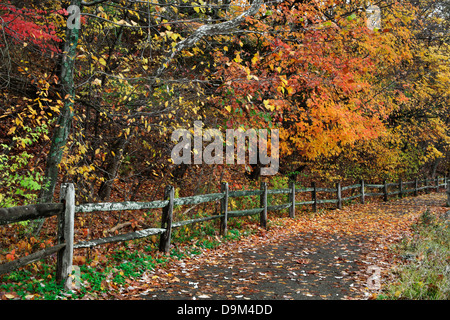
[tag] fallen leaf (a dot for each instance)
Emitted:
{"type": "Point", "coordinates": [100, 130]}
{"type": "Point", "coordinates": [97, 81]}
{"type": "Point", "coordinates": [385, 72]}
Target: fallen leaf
{"type": "Point", "coordinates": [303, 261]}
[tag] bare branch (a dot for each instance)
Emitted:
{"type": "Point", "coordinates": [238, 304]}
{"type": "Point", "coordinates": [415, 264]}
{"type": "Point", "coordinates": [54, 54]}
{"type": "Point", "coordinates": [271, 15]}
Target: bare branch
{"type": "Point", "coordinates": [93, 3]}
{"type": "Point", "coordinates": [209, 30]}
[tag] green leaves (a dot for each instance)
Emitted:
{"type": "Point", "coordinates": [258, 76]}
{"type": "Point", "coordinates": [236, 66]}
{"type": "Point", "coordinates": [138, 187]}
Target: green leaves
{"type": "Point", "coordinates": [16, 174]}
{"type": "Point", "coordinates": [351, 17]}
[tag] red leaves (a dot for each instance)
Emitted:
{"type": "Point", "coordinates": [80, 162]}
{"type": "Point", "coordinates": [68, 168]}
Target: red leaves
{"type": "Point", "coordinates": [325, 74]}
{"type": "Point", "coordinates": [29, 26]}
{"type": "Point", "coordinates": [11, 256]}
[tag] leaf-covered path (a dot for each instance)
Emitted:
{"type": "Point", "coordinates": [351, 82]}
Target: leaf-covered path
{"type": "Point", "coordinates": [321, 256]}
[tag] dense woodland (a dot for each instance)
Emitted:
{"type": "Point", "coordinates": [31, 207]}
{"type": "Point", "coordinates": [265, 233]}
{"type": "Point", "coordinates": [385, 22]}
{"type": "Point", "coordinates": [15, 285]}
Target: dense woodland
{"type": "Point", "coordinates": [96, 105]}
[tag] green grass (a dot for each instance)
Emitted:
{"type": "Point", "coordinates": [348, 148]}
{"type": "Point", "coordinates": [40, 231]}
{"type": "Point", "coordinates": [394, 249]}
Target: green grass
{"type": "Point", "coordinates": [122, 264]}
{"type": "Point", "coordinates": [425, 273]}
{"type": "Point", "coordinates": [128, 260]}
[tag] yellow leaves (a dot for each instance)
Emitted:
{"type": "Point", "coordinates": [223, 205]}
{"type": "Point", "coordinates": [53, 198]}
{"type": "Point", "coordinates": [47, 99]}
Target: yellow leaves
{"type": "Point", "coordinates": [238, 58]}
{"type": "Point", "coordinates": [268, 106]}
{"type": "Point", "coordinates": [256, 58]}
{"type": "Point", "coordinates": [199, 7]}
{"type": "Point", "coordinates": [432, 153]}
{"type": "Point", "coordinates": [12, 130]}
{"type": "Point", "coordinates": [283, 80]}
{"type": "Point", "coordinates": [102, 13]}
{"type": "Point", "coordinates": [102, 62]}
{"type": "Point", "coordinates": [145, 63]}
{"type": "Point", "coordinates": [84, 170]}
{"type": "Point", "coordinates": [196, 7]}
{"type": "Point", "coordinates": [188, 54]}
{"type": "Point", "coordinates": [171, 35]}
{"type": "Point", "coordinates": [284, 87]}
{"type": "Point", "coordinates": [97, 82]}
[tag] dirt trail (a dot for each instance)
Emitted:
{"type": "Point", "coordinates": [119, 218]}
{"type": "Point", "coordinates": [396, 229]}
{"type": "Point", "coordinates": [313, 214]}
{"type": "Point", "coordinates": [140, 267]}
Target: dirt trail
{"type": "Point", "coordinates": [324, 256]}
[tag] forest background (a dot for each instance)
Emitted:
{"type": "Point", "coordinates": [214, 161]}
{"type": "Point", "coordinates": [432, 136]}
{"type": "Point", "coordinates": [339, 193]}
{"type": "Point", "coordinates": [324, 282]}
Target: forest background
{"type": "Point", "coordinates": [96, 105]}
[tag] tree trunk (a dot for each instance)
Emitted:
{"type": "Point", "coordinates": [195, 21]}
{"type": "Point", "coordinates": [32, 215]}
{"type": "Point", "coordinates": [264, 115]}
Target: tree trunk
{"type": "Point", "coordinates": [111, 173]}
{"type": "Point", "coordinates": [64, 122]}
{"type": "Point", "coordinates": [434, 167]}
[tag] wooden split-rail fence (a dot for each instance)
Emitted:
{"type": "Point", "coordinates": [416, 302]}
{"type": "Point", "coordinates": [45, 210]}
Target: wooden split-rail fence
{"type": "Point", "coordinates": [66, 210]}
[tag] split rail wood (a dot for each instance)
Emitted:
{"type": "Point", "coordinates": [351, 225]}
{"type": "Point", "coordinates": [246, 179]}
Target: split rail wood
{"type": "Point", "coordinates": [66, 210]}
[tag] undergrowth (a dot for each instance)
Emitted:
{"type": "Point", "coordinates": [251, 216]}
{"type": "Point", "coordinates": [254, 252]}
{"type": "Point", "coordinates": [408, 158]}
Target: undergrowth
{"type": "Point", "coordinates": [425, 271]}
{"type": "Point", "coordinates": [105, 272]}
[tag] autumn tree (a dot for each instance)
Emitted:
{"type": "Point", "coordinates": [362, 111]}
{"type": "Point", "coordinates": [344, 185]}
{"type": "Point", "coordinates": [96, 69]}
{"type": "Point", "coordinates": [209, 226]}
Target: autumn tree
{"type": "Point", "coordinates": [30, 43]}
{"type": "Point", "coordinates": [106, 96]}
{"type": "Point", "coordinates": [423, 117]}
{"type": "Point", "coordinates": [121, 80]}
{"type": "Point", "coordinates": [319, 73]}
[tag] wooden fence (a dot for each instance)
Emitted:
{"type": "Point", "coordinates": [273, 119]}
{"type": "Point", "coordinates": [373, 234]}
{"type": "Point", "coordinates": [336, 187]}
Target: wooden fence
{"type": "Point", "coordinates": [66, 210]}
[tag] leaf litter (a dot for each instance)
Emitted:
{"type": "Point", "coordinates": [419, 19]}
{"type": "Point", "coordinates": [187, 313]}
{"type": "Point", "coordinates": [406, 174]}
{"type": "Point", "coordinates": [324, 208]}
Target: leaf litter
{"type": "Point", "coordinates": [316, 256]}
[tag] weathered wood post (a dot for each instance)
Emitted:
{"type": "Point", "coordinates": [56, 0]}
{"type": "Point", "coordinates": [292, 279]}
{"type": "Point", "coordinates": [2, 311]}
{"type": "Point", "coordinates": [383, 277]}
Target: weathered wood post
{"type": "Point", "coordinates": [437, 184]}
{"type": "Point", "coordinates": [65, 235]}
{"type": "Point", "coordinates": [385, 191]}
{"type": "Point", "coordinates": [426, 186]}
{"type": "Point", "coordinates": [166, 220]}
{"type": "Point", "coordinates": [363, 195]}
{"type": "Point", "coordinates": [448, 194]}
{"type": "Point", "coordinates": [263, 205]}
{"type": "Point", "coordinates": [400, 188]}
{"type": "Point", "coordinates": [416, 187]}
{"type": "Point", "coordinates": [314, 196]}
{"type": "Point", "coordinates": [292, 200]}
{"type": "Point", "coordinates": [224, 209]}
{"type": "Point", "coordinates": [339, 195]}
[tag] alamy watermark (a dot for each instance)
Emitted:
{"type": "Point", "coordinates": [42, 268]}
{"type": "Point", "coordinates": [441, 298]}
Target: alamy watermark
{"type": "Point", "coordinates": [373, 282]}
{"type": "Point", "coordinates": [74, 21]}
{"type": "Point", "coordinates": [213, 153]}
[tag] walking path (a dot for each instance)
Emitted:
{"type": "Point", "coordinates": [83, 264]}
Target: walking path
{"type": "Point", "coordinates": [320, 256]}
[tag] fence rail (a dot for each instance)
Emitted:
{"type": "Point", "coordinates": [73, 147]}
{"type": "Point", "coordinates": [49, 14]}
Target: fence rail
{"type": "Point", "coordinates": [66, 209]}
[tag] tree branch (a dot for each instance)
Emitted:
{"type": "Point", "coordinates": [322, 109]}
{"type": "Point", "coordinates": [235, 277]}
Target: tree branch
{"type": "Point", "coordinates": [93, 3]}
{"type": "Point", "coordinates": [208, 30]}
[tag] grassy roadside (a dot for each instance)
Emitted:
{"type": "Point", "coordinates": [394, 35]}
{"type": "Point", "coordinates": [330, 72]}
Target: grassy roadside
{"type": "Point", "coordinates": [424, 273]}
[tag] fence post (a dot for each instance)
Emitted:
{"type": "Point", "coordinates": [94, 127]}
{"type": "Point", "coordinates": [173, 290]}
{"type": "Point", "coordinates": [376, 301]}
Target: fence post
{"type": "Point", "coordinates": [362, 191]}
{"type": "Point", "coordinates": [416, 186]}
{"type": "Point", "coordinates": [292, 200]}
{"type": "Point", "coordinates": [339, 195]}
{"type": "Point", "coordinates": [400, 188]}
{"type": "Point", "coordinates": [224, 209]}
{"type": "Point", "coordinates": [263, 205]}
{"type": "Point", "coordinates": [385, 191]}
{"type": "Point", "coordinates": [426, 186]}
{"type": "Point", "coordinates": [166, 220]}
{"type": "Point", "coordinates": [314, 196]}
{"type": "Point", "coordinates": [65, 235]}
{"type": "Point", "coordinates": [448, 194]}
{"type": "Point", "coordinates": [437, 184]}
